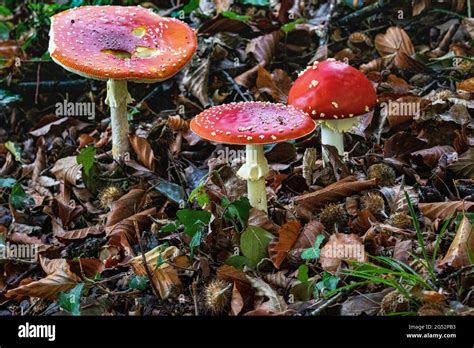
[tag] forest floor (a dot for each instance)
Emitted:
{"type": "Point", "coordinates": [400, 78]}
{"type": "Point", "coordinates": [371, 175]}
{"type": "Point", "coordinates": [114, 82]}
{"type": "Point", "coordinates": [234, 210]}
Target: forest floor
{"type": "Point", "coordinates": [169, 231]}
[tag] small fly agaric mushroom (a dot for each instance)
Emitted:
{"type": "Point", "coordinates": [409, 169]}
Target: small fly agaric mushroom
{"type": "Point", "coordinates": [120, 44]}
{"type": "Point", "coordinates": [335, 94]}
{"type": "Point", "coordinates": [252, 124]}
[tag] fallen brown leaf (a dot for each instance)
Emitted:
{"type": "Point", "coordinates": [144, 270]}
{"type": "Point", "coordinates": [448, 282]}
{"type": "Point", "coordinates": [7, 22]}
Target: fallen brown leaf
{"type": "Point", "coordinates": [402, 143]}
{"type": "Point", "coordinates": [260, 219]}
{"type": "Point", "coordinates": [430, 156]}
{"type": "Point", "coordinates": [165, 276]}
{"type": "Point", "coordinates": [267, 298]}
{"type": "Point", "coordinates": [462, 247]}
{"type": "Point", "coordinates": [444, 210]}
{"type": "Point", "coordinates": [343, 188]}
{"type": "Point", "coordinates": [308, 236]}
{"type": "Point", "coordinates": [341, 247]}
{"type": "Point", "coordinates": [393, 44]}
{"type": "Point", "coordinates": [59, 279]}
{"type": "Point", "coordinates": [280, 246]}
{"type": "Point", "coordinates": [68, 170]}
{"type": "Point", "coordinates": [464, 166]}
{"type": "Point", "coordinates": [236, 302]}
{"type": "Point", "coordinates": [276, 84]}
{"type": "Point", "coordinates": [143, 149]}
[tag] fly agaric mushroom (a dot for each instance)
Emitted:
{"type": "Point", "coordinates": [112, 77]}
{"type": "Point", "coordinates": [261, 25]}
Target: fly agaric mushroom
{"type": "Point", "coordinates": [120, 44]}
{"type": "Point", "coordinates": [252, 124]}
{"type": "Point", "coordinates": [335, 94]}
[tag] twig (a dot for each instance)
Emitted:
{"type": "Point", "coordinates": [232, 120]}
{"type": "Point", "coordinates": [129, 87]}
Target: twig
{"type": "Point", "coordinates": [38, 70]}
{"type": "Point", "coordinates": [235, 85]}
{"type": "Point", "coordinates": [364, 12]}
{"type": "Point", "coordinates": [195, 298]}
{"type": "Point", "coordinates": [49, 86]}
{"type": "Point", "coordinates": [145, 264]}
{"type": "Point", "coordinates": [458, 272]}
{"type": "Point", "coordinates": [453, 14]}
{"type": "Point", "coordinates": [326, 304]}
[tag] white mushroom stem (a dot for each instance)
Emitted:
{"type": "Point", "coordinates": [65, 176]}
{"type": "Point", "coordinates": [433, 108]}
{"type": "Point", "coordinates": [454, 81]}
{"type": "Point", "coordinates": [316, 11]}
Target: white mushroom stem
{"type": "Point", "coordinates": [117, 99]}
{"type": "Point", "coordinates": [254, 171]}
{"type": "Point", "coordinates": [333, 138]}
{"type": "Point", "coordinates": [332, 133]}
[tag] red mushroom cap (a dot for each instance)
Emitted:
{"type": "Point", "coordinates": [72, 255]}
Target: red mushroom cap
{"type": "Point", "coordinates": [120, 42]}
{"type": "Point", "coordinates": [252, 123]}
{"type": "Point", "coordinates": [332, 90]}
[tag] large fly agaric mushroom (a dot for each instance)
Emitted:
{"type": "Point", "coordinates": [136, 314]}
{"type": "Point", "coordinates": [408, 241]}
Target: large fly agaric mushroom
{"type": "Point", "coordinates": [252, 124]}
{"type": "Point", "coordinates": [334, 94]}
{"type": "Point", "coordinates": [120, 44]}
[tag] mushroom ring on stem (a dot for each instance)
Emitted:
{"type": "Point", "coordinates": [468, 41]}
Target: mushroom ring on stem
{"type": "Point", "coordinates": [253, 124]}
{"type": "Point", "coordinates": [334, 94]}
{"type": "Point", "coordinates": [120, 44]}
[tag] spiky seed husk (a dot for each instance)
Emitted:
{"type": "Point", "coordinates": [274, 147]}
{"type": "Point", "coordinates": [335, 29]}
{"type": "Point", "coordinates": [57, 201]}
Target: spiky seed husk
{"type": "Point", "coordinates": [401, 220]}
{"type": "Point", "coordinates": [384, 174]}
{"type": "Point", "coordinates": [109, 195]}
{"type": "Point", "coordinates": [373, 202]}
{"type": "Point", "coordinates": [334, 215]}
{"type": "Point", "coordinates": [217, 296]}
{"type": "Point", "coordinates": [394, 302]}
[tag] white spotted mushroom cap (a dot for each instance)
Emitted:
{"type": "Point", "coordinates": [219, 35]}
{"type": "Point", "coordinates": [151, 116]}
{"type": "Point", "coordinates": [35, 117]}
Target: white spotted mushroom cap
{"type": "Point", "coordinates": [249, 123]}
{"type": "Point", "coordinates": [332, 90]}
{"type": "Point", "coordinates": [120, 42]}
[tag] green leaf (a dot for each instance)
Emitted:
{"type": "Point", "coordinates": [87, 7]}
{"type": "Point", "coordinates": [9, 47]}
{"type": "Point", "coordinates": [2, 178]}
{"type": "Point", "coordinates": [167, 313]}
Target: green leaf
{"type": "Point", "coordinates": [200, 194]}
{"type": "Point", "coordinates": [238, 209]}
{"type": "Point", "coordinates": [193, 220]}
{"type": "Point", "coordinates": [254, 244]}
{"type": "Point", "coordinates": [303, 273]}
{"type": "Point", "coordinates": [5, 12]}
{"type": "Point", "coordinates": [191, 6]}
{"type": "Point", "coordinates": [313, 253]}
{"type": "Point", "coordinates": [71, 301]}
{"type": "Point", "coordinates": [138, 282]}
{"type": "Point", "coordinates": [460, 216]}
{"type": "Point", "coordinates": [19, 198]}
{"type": "Point", "coordinates": [286, 28]}
{"type": "Point", "coordinates": [14, 149]}
{"type": "Point", "coordinates": [195, 242]}
{"type": "Point", "coordinates": [87, 158]}
{"type": "Point", "coordinates": [329, 282]}
{"type": "Point", "coordinates": [255, 2]}
{"type": "Point", "coordinates": [159, 262]}
{"type": "Point", "coordinates": [302, 291]}
{"type": "Point", "coordinates": [237, 261]}
{"type": "Point", "coordinates": [4, 31]}
{"type": "Point", "coordinates": [235, 16]}
{"type": "Point", "coordinates": [7, 182]}
{"type": "Point", "coordinates": [8, 98]}
{"type": "Point", "coordinates": [171, 227]}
